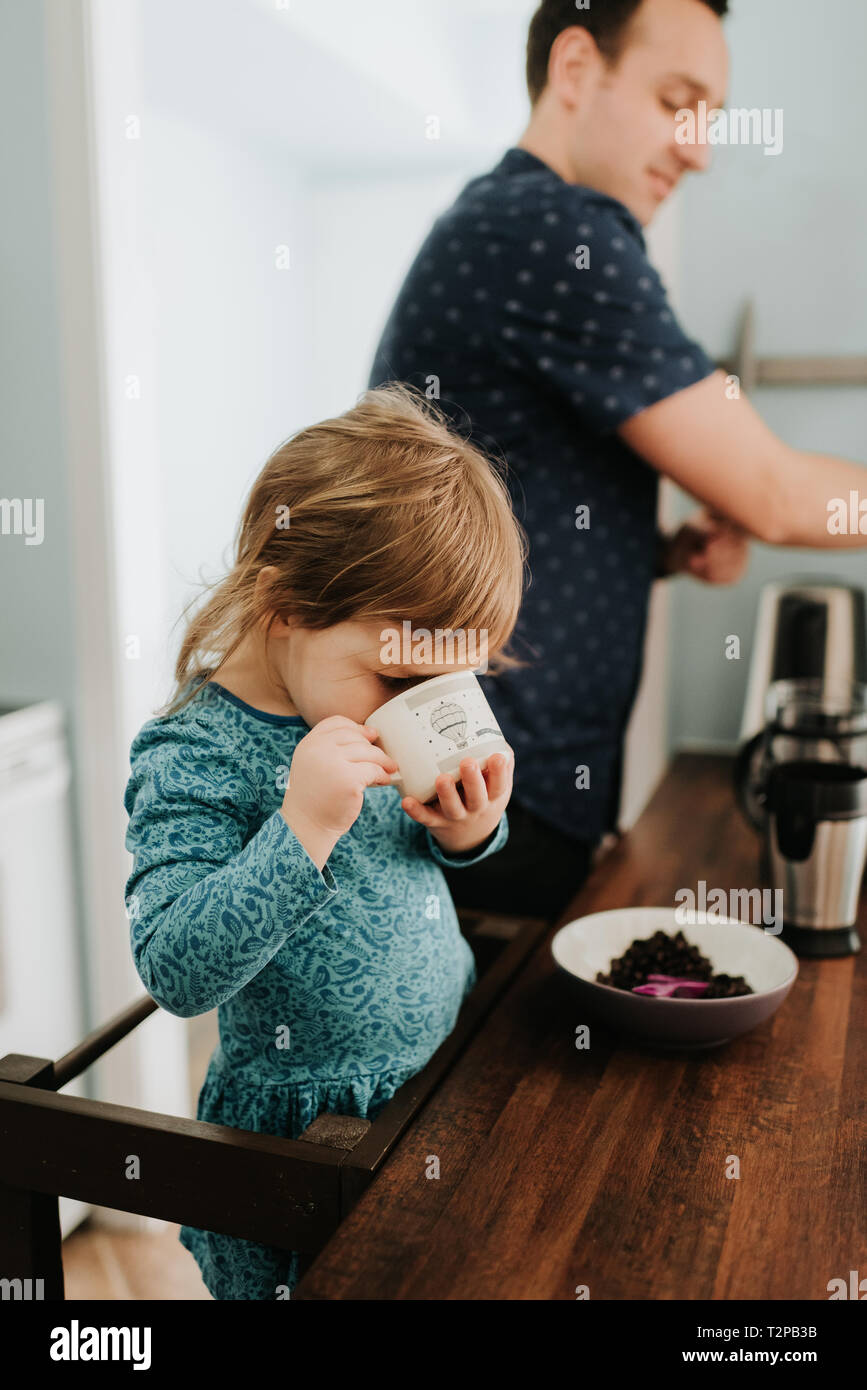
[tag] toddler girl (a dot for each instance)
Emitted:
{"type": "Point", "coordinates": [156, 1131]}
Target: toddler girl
{"type": "Point", "coordinates": [278, 876]}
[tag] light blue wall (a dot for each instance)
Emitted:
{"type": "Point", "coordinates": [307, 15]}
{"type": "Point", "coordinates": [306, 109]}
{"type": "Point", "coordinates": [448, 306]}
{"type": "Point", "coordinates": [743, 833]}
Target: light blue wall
{"type": "Point", "coordinates": [36, 614]}
{"type": "Point", "coordinates": [788, 232]}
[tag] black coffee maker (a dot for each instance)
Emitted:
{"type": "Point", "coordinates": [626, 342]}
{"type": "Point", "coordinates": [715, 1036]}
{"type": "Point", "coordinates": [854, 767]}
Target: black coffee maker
{"type": "Point", "coordinates": [806, 706]}
{"type": "Point", "coordinates": [802, 783]}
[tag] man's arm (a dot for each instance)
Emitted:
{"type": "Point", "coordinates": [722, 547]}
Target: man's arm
{"type": "Point", "coordinates": [722, 452]}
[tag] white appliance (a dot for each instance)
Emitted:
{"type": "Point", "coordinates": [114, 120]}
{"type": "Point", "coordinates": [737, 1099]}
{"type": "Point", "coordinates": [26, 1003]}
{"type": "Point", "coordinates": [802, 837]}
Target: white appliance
{"type": "Point", "coordinates": [811, 630]}
{"type": "Point", "coordinates": [41, 996]}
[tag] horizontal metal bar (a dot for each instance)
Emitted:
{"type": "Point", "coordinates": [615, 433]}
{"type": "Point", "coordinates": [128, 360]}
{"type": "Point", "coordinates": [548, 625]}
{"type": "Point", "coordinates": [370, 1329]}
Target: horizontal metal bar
{"type": "Point", "coordinates": [812, 371]}
{"type": "Point", "coordinates": [798, 371]}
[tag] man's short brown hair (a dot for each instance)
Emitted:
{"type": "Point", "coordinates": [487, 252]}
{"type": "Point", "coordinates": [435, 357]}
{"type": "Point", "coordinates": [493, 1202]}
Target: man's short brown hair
{"type": "Point", "coordinates": [606, 20]}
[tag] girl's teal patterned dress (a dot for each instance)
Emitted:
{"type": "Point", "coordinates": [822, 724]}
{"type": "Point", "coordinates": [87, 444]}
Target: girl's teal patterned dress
{"type": "Point", "coordinates": [363, 963]}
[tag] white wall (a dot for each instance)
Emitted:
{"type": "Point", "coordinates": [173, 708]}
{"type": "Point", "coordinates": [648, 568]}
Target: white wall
{"type": "Point", "coordinates": [364, 235]}
{"type": "Point", "coordinates": [38, 618]}
{"type": "Point", "coordinates": [218, 158]}
{"type": "Point", "coordinates": [647, 743]}
{"type": "Point", "coordinates": [788, 231]}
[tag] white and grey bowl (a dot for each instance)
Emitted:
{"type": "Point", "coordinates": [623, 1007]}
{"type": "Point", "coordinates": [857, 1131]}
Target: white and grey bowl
{"type": "Point", "coordinates": [589, 944]}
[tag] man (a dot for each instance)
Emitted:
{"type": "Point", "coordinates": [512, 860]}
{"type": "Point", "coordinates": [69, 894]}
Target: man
{"type": "Point", "coordinates": [532, 303]}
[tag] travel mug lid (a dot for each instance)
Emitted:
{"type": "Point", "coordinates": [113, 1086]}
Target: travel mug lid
{"type": "Point", "coordinates": [819, 790]}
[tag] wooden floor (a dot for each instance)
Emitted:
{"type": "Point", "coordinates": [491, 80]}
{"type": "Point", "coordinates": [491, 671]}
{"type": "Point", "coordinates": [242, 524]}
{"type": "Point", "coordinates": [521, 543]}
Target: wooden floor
{"type": "Point", "coordinates": [107, 1264]}
{"type": "Point", "coordinates": [104, 1263]}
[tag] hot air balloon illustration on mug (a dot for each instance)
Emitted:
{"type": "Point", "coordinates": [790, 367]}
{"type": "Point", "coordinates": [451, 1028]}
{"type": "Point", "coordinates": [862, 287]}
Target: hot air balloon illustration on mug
{"type": "Point", "coordinates": [450, 720]}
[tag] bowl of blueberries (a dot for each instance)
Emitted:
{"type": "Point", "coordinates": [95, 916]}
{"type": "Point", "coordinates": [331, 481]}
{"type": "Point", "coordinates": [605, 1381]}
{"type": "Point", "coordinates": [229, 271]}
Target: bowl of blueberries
{"type": "Point", "coordinates": [674, 979]}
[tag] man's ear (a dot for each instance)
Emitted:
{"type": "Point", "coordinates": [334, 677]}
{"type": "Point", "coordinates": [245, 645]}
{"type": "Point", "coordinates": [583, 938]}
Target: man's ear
{"type": "Point", "coordinates": [574, 58]}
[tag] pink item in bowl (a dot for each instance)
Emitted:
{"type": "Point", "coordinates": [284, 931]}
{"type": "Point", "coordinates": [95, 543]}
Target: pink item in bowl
{"type": "Point", "coordinates": [668, 986]}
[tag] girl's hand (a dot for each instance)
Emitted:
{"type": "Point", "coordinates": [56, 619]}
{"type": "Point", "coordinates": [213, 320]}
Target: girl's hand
{"type": "Point", "coordinates": [331, 767]}
{"type": "Point", "coordinates": [461, 823]}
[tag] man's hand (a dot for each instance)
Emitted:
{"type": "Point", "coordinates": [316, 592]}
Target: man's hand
{"type": "Point", "coordinates": [457, 823]}
{"type": "Point", "coordinates": [709, 548]}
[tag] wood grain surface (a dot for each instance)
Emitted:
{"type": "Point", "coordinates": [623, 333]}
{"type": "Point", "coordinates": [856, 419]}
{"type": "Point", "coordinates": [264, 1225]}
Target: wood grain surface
{"type": "Point", "coordinates": [606, 1168]}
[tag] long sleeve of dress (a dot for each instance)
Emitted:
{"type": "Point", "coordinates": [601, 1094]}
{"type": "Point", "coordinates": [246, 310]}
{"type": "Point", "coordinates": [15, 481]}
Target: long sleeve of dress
{"type": "Point", "coordinates": [494, 842]}
{"type": "Point", "coordinates": [209, 904]}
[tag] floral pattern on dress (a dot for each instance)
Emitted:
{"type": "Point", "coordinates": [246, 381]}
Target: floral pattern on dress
{"type": "Point", "coordinates": [332, 988]}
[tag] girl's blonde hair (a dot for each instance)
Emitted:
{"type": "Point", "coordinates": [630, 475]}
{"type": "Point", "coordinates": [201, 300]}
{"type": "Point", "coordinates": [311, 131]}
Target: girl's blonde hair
{"type": "Point", "coordinates": [391, 515]}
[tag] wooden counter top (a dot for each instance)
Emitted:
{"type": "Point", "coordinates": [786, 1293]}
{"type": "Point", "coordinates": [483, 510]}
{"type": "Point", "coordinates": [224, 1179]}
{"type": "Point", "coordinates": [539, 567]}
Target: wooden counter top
{"type": "Point", "coordinates": [607, 1168]}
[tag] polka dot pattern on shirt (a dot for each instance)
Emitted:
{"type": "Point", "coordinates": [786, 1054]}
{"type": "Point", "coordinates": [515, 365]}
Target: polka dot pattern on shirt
{"type": "Point", "coordinates": [547, 360]}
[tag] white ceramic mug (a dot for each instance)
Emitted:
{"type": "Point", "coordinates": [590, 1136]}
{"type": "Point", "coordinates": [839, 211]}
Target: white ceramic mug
{"type": "Point", "coordinates": [430, 727]}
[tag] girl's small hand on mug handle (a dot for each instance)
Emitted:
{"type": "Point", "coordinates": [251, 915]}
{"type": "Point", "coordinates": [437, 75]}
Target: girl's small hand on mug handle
{"type": "Point", "coordinates": [331, 767]}
{"type": "Point", "coordinates": [460, 823]}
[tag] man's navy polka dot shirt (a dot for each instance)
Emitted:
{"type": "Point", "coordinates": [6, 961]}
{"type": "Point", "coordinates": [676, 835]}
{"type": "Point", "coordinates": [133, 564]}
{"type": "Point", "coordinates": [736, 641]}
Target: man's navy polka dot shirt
{"type": "Point", "coordinates": [545, 349]}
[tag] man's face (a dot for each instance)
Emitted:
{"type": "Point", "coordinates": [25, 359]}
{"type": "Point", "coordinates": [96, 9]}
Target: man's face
{"type": "Point", "coordinates": [623, 123]}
